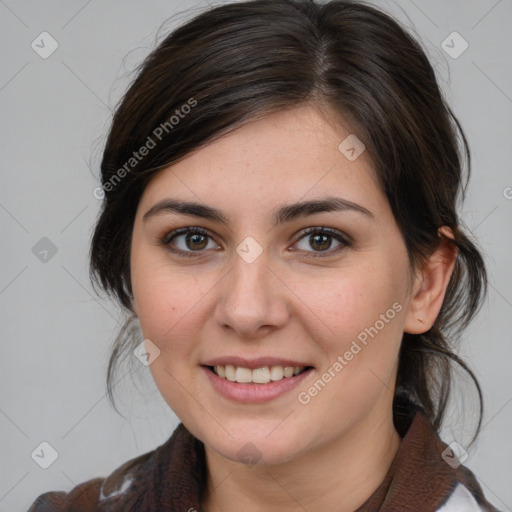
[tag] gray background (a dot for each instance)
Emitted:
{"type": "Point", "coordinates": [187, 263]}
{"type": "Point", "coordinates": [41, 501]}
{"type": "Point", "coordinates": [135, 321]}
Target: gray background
{"type": "Point", "coordinates": [56, 332]}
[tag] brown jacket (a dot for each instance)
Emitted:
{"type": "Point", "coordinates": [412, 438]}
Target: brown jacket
{"type": "Point", "coordinates": [424, 477]}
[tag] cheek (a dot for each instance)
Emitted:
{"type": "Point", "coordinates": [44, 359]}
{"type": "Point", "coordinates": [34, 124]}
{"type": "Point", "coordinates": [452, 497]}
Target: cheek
{"type": "Point", "coordinates": [167, 311]}
{"type": "Point", "coordinates": [166, 315]}
{"type": "Point", "coordinates": [163, 295]}
{"type": "Point", "coordinates": [360, 340]}
{"type": "Point", "coordinates": [340, 306]}
{"type": "Point", "coordinates": [357, 319]}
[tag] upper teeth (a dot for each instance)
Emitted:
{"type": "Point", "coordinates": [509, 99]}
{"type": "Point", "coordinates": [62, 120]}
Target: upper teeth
{"type": "Point", "coordinates": [259, 375]}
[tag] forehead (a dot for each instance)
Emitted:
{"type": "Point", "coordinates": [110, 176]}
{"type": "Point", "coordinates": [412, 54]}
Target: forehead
{"type": "Point", "coordinates": [287, 156]}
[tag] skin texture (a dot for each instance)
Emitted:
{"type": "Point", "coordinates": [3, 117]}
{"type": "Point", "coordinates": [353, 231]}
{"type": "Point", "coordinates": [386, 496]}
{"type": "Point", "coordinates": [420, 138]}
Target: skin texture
{"type": "Point", "coordinates": [333, 452]}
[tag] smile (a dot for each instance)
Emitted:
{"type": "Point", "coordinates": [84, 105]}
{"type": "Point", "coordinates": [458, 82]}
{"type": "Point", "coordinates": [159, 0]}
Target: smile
{"type": "Point", "coordinates": [249, 391]}
{"type": "Point", "coordinates": [263, 375]}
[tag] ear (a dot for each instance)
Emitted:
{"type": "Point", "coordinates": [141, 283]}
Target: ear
{"type": "Point", "coordinates": [430, 286]}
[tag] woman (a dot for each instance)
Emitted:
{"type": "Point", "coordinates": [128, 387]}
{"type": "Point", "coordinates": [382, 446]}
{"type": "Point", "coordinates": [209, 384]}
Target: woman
{"type": "Point", "coordinates": [280, 185]}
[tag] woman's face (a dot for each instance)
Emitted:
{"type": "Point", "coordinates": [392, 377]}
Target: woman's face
{"type": "Point", "coordinates": [335, 302]}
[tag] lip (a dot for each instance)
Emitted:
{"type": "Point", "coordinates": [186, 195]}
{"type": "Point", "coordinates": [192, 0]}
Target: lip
{"type": "Point", "coordinates": [254, 393]}
{"type": "Point", "coordinates": [252, 364]}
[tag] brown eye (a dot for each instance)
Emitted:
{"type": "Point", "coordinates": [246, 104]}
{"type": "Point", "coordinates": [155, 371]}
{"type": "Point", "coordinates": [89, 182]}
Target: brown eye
{"type": "Point", "coordinates": [196, 240]}
{"type": "Point", "coordinates": [321, 240]}
{"type": "Point", "coordinates": [186, 241]}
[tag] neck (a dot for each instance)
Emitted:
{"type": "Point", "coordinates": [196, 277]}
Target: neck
{"type": "Point", "coordinates": [339, 476]}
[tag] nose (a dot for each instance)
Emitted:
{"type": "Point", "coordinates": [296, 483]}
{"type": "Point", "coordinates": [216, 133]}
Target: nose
{"type": "Point", "coordinates": [252, 298]}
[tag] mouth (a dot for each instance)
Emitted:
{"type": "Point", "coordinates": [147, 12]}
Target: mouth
{"type": "Point", "coordinates": [257, 376]}
{"type": "Point", "coordinates": [255, 385]}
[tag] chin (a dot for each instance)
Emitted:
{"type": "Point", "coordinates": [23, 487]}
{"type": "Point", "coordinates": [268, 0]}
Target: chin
{"type": "Point", "coordinates": [257, 447]}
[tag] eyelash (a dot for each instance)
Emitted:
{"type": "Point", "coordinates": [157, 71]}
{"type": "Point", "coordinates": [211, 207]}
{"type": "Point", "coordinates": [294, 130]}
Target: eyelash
{"type": "Point", "coordinates": [166, 240]}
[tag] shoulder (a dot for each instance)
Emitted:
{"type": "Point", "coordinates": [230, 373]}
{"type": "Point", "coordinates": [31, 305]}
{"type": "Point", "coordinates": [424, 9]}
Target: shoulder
{"type": "Point", "coordinates": [102, 493]}
{"type": "Point", "coordinates": [462, 500]}
{"type": "Point", "coordinates": [82, 496]}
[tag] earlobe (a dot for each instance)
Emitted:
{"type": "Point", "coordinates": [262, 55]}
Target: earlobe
{"type": "Point", "coordinates": [430, 286]}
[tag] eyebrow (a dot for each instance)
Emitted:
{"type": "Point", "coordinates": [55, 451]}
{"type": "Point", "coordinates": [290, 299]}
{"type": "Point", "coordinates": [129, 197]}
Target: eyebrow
{"type": "Point", "coordinates": [285, 213]}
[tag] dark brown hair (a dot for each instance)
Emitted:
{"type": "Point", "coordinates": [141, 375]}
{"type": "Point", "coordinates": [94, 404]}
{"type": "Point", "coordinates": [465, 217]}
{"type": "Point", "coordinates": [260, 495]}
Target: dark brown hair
{"type": "Point", "coordinates": [242, 61]}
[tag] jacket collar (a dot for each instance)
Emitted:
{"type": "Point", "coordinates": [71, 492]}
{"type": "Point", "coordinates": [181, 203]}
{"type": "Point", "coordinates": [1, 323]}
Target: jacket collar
{"type": "Point", "coordinates": [419, 478]}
